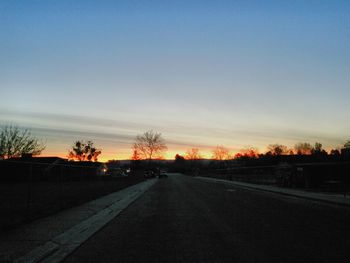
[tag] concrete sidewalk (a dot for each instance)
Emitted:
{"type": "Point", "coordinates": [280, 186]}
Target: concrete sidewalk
{"type": "Point", "coordinates": [336, 199]}
{"type": "Point", "coordinates": [51, 239]}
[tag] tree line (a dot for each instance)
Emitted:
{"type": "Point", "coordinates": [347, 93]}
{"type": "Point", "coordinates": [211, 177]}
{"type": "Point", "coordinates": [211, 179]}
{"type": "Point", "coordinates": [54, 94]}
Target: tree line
{"type": "Point", "coordinates": [222, 153]}
{"type": "Point", "coordinates": [16, 142]}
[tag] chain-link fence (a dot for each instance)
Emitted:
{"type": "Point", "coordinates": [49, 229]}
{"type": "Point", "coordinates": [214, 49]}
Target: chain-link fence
{"type": "Point", "coordinates": [329, 177]}
{"type": "Point", "coordinates": [29, 190]}
{"type": "Point", "coordinates": [254, 174]}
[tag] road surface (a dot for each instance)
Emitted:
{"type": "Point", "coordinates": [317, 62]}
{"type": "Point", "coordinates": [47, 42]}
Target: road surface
{"type": "Point", "coordinates": [183, 219]}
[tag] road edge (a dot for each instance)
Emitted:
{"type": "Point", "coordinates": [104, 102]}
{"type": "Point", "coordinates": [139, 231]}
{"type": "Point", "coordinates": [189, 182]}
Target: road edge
{"type": "Point", "coordinates": [284, 191]}
{"type": "Point", "coordinates": [59, 247]}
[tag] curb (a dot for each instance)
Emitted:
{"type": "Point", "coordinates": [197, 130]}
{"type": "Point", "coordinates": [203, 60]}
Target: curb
{"type": "Point", "coordinates": [58, 248]}
{"type": "Point", "coordinates": [288, 192]}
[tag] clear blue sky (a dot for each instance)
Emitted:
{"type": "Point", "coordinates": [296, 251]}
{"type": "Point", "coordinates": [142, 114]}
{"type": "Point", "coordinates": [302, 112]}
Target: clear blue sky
{"type": "Point", "coordinates": [204, 73]}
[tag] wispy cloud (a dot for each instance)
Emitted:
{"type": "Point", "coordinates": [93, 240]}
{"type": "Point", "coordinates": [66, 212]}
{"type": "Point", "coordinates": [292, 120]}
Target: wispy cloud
{"type": "Point", "coordinates": [116, 136]}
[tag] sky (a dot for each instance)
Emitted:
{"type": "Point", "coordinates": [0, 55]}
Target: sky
{"type": "Point", "coordinates": [203, 73]}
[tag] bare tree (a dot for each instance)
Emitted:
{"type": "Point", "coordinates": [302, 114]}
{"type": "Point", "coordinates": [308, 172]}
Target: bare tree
{"type": "Point", "coordinates": [347, 145]}
{"type": "Point", "coordinates": [135, 155]}
{"type": "Point", "coordinates": [16, 142]}
{"type": "Point", "coordinates": [150, 145]}
{"type": "Point", "coordinates": [277, 149]}
{"type": "Point", "coordinates": [249, 152]}
{"type": "Point", "coordinates": [318, 150]}
{"type": "Point", "coordinates": [221, 153]}
{"type": "Point", "coordinates": [84, 151]}
{"type": "Point", "coordinates": [193, 154]}
{"type": "Point", "coordinates": [303, 148]}
{"type": "Point", "coordinates": [317, 147]}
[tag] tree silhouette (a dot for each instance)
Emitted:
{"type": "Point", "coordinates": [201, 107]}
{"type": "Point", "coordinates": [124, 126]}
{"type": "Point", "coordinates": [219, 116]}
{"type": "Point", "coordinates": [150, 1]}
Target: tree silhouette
{"type": "Point", "coordinates": [277, 149]}
{"type": "Point", "coordinates": [135, 155]}
{"type": "Point", "coordinates": [249, 152]}
{"type": "Point", "coordinates": [318, 147]}
{"type": "Point", "coordinates": [179, 158]}
{"type": "Point", "coordinates": [303, 148]}
{"type": "Point", "coordinates": [193, 154]}
{"type": "Point", "coordinates": [318, 150]}
{"type": "Point", "coordinates": [15, 142]}
{"type": "Point", "coordinates": [150, 145]}
{"type": "Point", "coordinates": [221, 153]}
{"type": "Point", "coordinates": [84, 151]}
{"type": "Point", "coordinates": [345, 151]}
{"type": "Point", "coordinates": [180, 163]}
{"type": "Point", "coordinates": [335, 152]}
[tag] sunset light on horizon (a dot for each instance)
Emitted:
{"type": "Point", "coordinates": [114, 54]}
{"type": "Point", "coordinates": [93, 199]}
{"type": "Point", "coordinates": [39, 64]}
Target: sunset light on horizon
{"type": "Point", "coordinates": [174, 131]}
{"type": "Point", "coordinates": [202, 73]}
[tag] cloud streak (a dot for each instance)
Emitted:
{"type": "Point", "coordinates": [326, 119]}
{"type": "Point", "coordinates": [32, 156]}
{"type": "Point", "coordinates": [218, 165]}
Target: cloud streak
{"type": "Point", "coordinates": [116, 137]}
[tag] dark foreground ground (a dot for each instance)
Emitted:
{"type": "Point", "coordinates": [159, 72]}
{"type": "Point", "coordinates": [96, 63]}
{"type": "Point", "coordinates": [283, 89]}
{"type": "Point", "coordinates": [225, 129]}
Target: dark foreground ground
{"type": "Point", "coordinates": [23, 202]}
{"type": "Point", "coordinates": [182, 219]}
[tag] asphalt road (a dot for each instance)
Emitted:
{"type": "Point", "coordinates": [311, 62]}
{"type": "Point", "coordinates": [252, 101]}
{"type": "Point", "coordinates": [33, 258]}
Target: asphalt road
{"type": "Point", "coordinates": [183, 219]}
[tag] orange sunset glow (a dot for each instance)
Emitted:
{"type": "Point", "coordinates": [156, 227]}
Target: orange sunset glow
{"type": "Point", "coordinates": [174, 131]}
{"type": "Point", "coordinates": [214, 77]}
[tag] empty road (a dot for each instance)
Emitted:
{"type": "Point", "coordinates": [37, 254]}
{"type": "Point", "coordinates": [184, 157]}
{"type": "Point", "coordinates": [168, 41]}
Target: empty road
{"type": "Point", "coordinates": [184, 219]}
